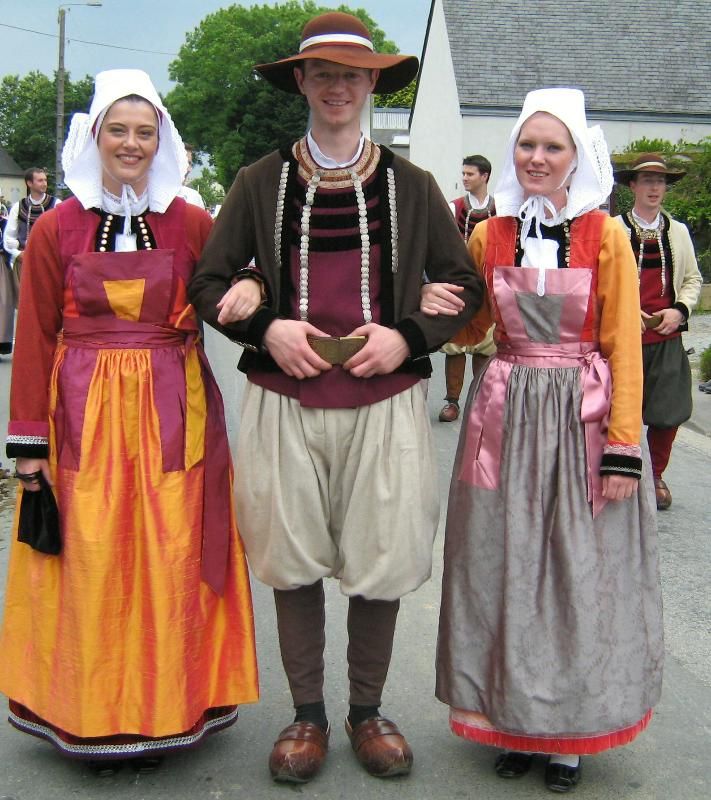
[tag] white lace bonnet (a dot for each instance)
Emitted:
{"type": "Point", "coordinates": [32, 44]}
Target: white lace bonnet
{"type": "Point", "coordinates": [591, 182]}
{"type": "Point", "coordinates": [81, 161]}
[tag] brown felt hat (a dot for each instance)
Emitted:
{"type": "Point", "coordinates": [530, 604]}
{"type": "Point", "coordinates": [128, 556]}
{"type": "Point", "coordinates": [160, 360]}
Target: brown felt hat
{"type": "Point", "coordinates": [648, 162]}
{"type": "Point", "coordinates": [343, 39]}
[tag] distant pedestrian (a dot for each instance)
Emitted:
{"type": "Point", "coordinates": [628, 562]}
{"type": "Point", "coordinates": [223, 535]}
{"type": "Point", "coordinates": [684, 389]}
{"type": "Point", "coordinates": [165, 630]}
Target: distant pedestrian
{"type": "Point", "coordinates": [23, 215]}
{"type": "Point", "coordinates": [669, 287]}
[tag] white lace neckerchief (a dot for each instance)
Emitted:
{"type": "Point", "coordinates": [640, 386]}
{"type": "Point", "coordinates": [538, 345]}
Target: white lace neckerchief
{"type": "Point", "coordinates": [326, 162]}
{"type": "Point", "coordinates": [128, 205]}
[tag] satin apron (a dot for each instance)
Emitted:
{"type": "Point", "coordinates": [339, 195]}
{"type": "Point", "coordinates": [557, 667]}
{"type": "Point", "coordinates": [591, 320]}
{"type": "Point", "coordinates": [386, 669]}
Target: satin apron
{"type": "Point", "coordinates": [139, 636]}
{"type": "Point", "coordinates": [550, 633]}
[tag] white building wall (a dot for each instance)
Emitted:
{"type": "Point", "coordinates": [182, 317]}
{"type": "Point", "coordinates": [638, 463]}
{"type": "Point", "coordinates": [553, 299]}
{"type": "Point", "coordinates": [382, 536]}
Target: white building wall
{"type": "Point", "coordinates": [436, 130]}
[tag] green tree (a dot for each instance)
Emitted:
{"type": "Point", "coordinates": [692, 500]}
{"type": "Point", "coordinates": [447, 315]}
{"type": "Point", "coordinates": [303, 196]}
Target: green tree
{"type": "Point", "coordinates": [220, 105]}
{"type": "Point", "coordinates": [210, 190]}
{"type": "Point", "coordinates": [688, 200]}
{"type": "Point", "coordinates": [28, 108]}
{"type": "Point", "coordinates": [403, 98]}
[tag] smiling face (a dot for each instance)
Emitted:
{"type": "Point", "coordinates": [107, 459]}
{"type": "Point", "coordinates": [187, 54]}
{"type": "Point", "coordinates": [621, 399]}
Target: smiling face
{"type": "Point", "coordinates": [648, 190]}
{"type": "Point", "coordinates": [335, 93]}
{"type": "Point", "coordinates": [128, 142]}
{"type": "Point", "coordinates": [543, 155]}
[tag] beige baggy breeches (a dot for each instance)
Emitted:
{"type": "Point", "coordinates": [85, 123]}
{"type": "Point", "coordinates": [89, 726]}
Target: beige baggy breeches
{"type": "Point", "coordinates": [350, 493]}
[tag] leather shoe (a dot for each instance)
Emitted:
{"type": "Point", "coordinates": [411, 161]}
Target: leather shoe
{"type": "Point", "coordinates": [562, 778]}
{"type": "Point", "coordinates": [449, 412]}
{"type": "Point", "coordinates": [705, 387]}
{"type": "Point", "coordinates": [298, 752]}
{"type": "Point", "coordinates": [513, 764]}
{"type": "Point", "coordinates": [664, 498]}
{"type": "Point", "coordinates": [380, 747]}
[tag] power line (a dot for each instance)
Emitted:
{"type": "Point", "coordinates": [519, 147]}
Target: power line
{"type": "Point", "coordinates": [84, 41]}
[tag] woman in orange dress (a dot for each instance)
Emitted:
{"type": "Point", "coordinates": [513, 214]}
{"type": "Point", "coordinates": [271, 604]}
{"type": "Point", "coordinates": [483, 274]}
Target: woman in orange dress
{"type": "Point", "coordinates": [138, 638]}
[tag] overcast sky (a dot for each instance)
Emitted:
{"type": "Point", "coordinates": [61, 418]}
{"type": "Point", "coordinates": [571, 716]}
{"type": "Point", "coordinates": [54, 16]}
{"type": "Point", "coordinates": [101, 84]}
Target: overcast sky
{"type": "Point", "coordinates": [150, 25]}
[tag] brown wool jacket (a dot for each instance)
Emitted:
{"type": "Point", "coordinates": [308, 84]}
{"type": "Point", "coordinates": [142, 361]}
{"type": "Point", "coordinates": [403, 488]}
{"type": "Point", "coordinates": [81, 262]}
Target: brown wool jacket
{"type": "Point", "coordinates": [428, 243]}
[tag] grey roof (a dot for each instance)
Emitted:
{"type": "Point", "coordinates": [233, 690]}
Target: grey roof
{"type": "Point", "coordinates": [8, 165]}
{"type": "Point", "coordinates": [647, 56]}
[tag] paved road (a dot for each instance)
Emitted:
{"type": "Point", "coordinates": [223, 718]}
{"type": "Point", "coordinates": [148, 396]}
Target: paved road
{"type": "Point", "coordinates": [670, 761]}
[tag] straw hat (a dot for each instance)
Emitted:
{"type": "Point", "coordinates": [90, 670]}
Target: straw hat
{"type": "Point", "coordinates": [343, 39]}
{"type": "Point", "coordinates": [648, 162]}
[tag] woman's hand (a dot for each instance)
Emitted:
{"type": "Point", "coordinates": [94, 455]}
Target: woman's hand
{"type": "Point", "coordinates": [441, 298]}
{"type": "Point", "coordinates": [618, 487]}
{"type": "Point", "coordinates": [240, 301]}
{"type": "Point", "coordinates": [28, 466]}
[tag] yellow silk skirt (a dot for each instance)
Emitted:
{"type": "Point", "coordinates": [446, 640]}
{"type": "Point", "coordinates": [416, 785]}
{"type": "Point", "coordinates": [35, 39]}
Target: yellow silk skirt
{"type": "Point", "coordinates": [118, 634]}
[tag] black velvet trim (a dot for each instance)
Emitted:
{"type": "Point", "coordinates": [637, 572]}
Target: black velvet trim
{"type": "Point", "coordinates": [387, 291]}
{"type": "Point", "coordinates": [617, 464]}
{"type": "Point", "coordinates": [555, 232]}
{"type": "Point", "coordinates": [333, 222]}
{"type": "Point", "coordinates": [414, 337]}
{"type": "Point", "coordinates": [16, 450]}
{"type": "Point", "coordinates": [116, 226]}
{"type": "Point", "coordinates": [286, 287]}
{"type": "Point", "coordinates": [683, 309]}
{"type": "Point", "coordinates": [257, 327]}
{"type": "Point", "coordinates": [336, 198]}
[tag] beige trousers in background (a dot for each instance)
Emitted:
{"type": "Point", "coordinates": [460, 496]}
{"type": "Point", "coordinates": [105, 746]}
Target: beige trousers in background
{"type": "Point", "coordinates": [350, 493]}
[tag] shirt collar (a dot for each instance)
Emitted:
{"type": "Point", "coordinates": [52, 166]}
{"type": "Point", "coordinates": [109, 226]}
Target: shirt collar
{"type": "Point", "coordinates": [475, 204]}
{"type": "Point", "coordinates": [646, 226]}
{"type": "Point", "coordinates": [325, 161]}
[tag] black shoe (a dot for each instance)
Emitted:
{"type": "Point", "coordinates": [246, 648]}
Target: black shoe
{"type": "Point", "coordinates": [103, 769]}
{"type": "Point", "coordinates": [144, 765]}
{"type": "Point", "coordinates": [705, 387]}
{"type": "Point", "coordinates": [562, 778]}
{"type": "Point", "coordinates": [513, 764]}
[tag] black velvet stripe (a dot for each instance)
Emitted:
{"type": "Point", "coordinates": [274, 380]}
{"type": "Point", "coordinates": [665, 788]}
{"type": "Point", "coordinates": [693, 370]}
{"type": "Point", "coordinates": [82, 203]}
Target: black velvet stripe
{"type": "Point", "coordinates": [336, 198]}
{"type": "Point", "coordinates": [116, 226]}
{"type": "Point", "coordinates": [334, 222]}
{"type": "Point", "coordinates": [616, 464]}
{"type": "Point", "coordinates": [336, 244]}
{"type": "Point", "coordinates": [258, 325]}
{"type": "Point", "coordinates": [16, 450]}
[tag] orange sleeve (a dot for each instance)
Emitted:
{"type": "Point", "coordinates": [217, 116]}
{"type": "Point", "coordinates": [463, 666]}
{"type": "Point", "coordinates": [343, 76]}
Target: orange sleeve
{"type": "Point", "coordinates": [39, 320]}
{"type": "Point", "coordinates": [483, 319]}
{"type": "Point", "coordinates": [620, 336]}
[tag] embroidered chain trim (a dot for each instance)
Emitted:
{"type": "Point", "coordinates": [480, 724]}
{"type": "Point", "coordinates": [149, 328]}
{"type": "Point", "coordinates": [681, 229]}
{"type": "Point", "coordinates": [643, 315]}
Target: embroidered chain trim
{"type": "Point", "coordinates": [631, 450]}
{"type": "Point", "coordinates": [392, 201]}
{"type": "Point", "coordinates": [135, 747]}
{"type": "Point", "coordinates": [16, 439]}
{"type": "Point", "coordinates": [279, 218]}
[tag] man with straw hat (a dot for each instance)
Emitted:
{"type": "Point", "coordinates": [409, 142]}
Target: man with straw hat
{"type": "Point", "coordinates": [335, 458]}
{"type": "Point", "coordinates": [669, 284]}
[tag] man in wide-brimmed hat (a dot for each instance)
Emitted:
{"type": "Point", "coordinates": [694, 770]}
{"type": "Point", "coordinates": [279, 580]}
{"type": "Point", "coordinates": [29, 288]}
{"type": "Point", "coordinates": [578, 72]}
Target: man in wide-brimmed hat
{"type": "Point", "coordinates": [335, 465]}
{"type": "Point", "coordinates": [669, 285]}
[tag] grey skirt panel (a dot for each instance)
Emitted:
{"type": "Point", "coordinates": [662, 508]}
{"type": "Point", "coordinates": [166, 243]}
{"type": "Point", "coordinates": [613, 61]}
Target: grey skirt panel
{"type": "Point", "coordinates": [551, 623]}
{"type": "Point", "coordinates": [667, 384]}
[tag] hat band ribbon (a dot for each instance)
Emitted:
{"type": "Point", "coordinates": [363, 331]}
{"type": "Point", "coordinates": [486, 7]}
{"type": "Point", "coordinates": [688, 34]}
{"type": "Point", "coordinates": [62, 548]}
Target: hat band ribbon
{"type": "Point", "coordinates": [336, 38]}
{"type": "Point", "coordinates": [638, 167]}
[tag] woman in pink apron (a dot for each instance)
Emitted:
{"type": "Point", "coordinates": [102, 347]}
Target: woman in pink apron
{"type": "Point", "coordinates": [550, 636]}
{"type": "Point", "coordinates": [137, 639]}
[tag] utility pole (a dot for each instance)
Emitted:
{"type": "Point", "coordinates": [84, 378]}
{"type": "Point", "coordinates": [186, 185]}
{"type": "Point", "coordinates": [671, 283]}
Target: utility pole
{"type": "Point", "coordinates": [58, 173]}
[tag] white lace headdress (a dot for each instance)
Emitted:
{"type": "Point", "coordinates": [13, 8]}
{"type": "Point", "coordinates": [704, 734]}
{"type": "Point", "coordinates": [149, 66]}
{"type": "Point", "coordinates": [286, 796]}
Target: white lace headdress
{"type": "Point", "coordinates": [591, 181]}
{"type": "Point", "coordinates": [81, 160]}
